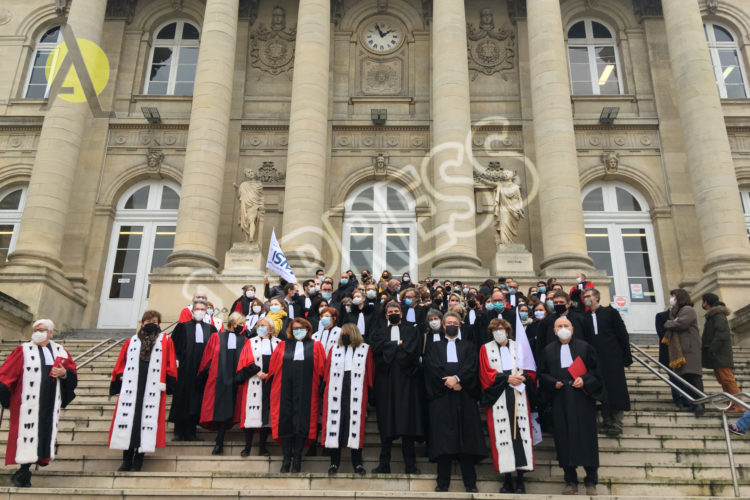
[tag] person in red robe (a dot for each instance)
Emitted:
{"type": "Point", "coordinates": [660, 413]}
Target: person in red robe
{"type": "Point", "coordinates": [187, 312]}
{"type": "Point", "coordinates": [253, 396]}
{"type": "Point", "coordinates": [244, 302]}
{"type": "Point", "coordinates": [349, 376]}
{"type": "Point", "coordinates": [37, 379]}
{"type": "Point", "coordinates": [295, 373]}
{"type": "Point", "coordinates": [145, 372]}
{"type": "Point", "coordinates": [218, 367]}
{"type": "Point", "coordinates": [505, 396]}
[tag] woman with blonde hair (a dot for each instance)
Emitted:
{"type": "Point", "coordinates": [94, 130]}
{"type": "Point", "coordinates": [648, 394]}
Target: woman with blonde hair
{"type": "Point", "coordinates": [253, 396]}
{"type": "Point", "coordinates": [348, 377]}
{"type": "Point", "coordinates": [277, 312]}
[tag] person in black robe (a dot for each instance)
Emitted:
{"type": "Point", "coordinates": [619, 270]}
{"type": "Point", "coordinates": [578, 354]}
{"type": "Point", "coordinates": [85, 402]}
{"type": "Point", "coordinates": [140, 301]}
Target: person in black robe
{"type": "Point", "coordinates": [411, 312]}
{"type": "Point", "coordinates": [573, 405]}
{"type": "Point", "coordinates": [217, 374]}
{"type": "Point", "coordinates": [399, 389]}
{"type": "Point", "coordinates": [189, 339]}
{"type": "Point", "coordinates": [562, 308]}
{"type": "Point", "coordinates": [432, 330]}
{"type": "Point", "coordinates": [450, 370]}
{"type": "Point", "coordinates": [500, 309]}
{"type": "Point", "coordinates": [243, 304]}
{"type": "Point", "coordinates": [612, 344]}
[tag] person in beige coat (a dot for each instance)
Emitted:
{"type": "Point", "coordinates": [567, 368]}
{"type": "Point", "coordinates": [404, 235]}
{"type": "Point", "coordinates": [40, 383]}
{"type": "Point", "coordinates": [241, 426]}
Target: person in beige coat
{"type": "Point", "coordinates": [684, 342]}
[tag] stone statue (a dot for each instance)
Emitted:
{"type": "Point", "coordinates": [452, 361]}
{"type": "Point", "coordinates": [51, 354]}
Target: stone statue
{"type": "Point", "coordinates": [611, 161]}
{"type": "Point", "coordinates": [278, 18]}
{"type": "Point", "coordinates": [250, 194]}
{"type": "Point", "coordinates": [508, 204]}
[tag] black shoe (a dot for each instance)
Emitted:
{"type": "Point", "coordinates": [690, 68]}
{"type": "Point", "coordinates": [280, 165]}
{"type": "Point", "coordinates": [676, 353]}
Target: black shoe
{"type": "Point", "coordinates": [441, 489]}
{"type": "Point", "coordinates": [360, 470]}
{"type": "Point", "coordinates": [137, 462]}
{"type": "Point", "coordinates": [699, 410]}
{"type": "Point", "coordinates": [382, 469]}
{"type": "Point", "coordinates": [245, 452]}
{"type": "Point", "coordinates": [508, 486]}
{"type": "Point", "coordinates": [125, 467]}
{"type": "Point", "coordinates": [218, 449]}
{"type": "Point", "coordinates": [297, 465]}
{"type": "Point", "coordinates": [472, 489]}
{"type": "Point", "coordinates": [285, 465]}
{"type": "Point", "coordinates": [520, 487]}
{"type": "Point", "coordinates": [333, 469]}
{"type": "Point", "coordinates": [412, 470]}
{"type": "Point", "coordinates": [263, 452]}
{"type": "Point", "coordinates": [21, 478]}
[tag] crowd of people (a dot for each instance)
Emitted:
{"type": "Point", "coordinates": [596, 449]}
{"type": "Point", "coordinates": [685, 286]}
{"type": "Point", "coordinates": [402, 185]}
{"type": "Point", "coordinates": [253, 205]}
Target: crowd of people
{"type": "Point", "coordinates": [306, 363]}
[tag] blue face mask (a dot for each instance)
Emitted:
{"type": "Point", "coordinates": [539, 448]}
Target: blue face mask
{"type": "Point", "coordinates": [299, 333]}
{"type": "Point", "coordinates": [262, 330]}
{"type": "Point", "coordinates": [499, 306]}
{"type": "Point", "coordinates": [550, 304]}
{"type": "Point", "coordinates": [408, 302]}
{"type": "Point", "coordinates": [542, 289]}
{"type": "Point", "coordinates": [326, 295]}
{"type": "Point", "coordinates": [275, 309]}
{"type": "Point", "coordinates": [523, 315]}
{"type": "Point", "coordinates": [503, 287]}
{"type": "Point", "coordinates": [344, 281]}
{"type": "Point", "coordinates": [512, 291]}
{"type": "Point", "coordinates": [325, 321]}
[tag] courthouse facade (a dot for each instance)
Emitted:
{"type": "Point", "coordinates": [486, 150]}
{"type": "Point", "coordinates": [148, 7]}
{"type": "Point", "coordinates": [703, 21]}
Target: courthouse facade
{"type": "Point", "coordinates": [446, 138]}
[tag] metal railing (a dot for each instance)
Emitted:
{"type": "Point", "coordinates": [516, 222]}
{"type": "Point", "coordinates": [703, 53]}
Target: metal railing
{"type": "Point", "coordinates": [702, 398]}
{"type": "Point", "coordinates": [115, 343]}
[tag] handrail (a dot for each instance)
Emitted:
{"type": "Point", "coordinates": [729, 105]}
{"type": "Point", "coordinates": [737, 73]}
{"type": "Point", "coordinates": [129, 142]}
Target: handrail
{"type": "Point", "coordinates": [97, 346]}
{"type": "Point", "coordinates": [109, 348]}
{"type": "Point", "coordinates": [701, 400]}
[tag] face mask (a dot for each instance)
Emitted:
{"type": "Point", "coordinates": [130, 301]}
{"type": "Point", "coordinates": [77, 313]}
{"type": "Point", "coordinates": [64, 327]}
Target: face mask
{"type": "Point", "coordinates": [345, 339]}
{"type": "Point", "coordinates": [672, 301]}
{"type": "Point", "coordinates": [539, 314]}
{"type": "Point", "coordinates": [499, 306]}
{"type": "Point", "coordinates": [452, 303]}
{"type": "Point", "coordinates": [550, 304]}
{"type": "Point", "coordinates": [472, 303]}
{"type": "Point", "coordinates": [394, 318]}
{"type": "Point", "coordinates": [523, 315]}
{"type": "Point", "coordinates": [238, 329]}
{"type": "Point", "coordinates": [275, 309]}
{"type": "Point", "coordinates": [262, 330]}
{"type": "Point", "coordinates": [448, 288]}
{"type": "Point", "coordinates": [398, 288]}
{"type": "Point", "coordinates": [503, 287]}
{"type": "Point", "coordinates": [560, 309]}
{"type": "Point", "coordinates": [299, 333]}
{"type": "Point", "coordinates": [512, 291]}
{"type": "Point", "coordinates": [406, 279]}
{"type": "Point", "coordinates": [38, 337]}
{"type": "Point", "coordinates": [326, 295]}
{"type": "Point", "coordinates": [344, 281]}
{"type": "Point", "coordinates": [542, 289]}
{"type": "Point", "coordinates": [408, 302]}
{"type": "Point", "coordinates": [325, 321]}
{"type": "Point", "coordinates": [371, 294]}
{"type": "Point", "coordinates": [451, 331]}
{"type": "Point", "coordinates": [564, 334]}
{"type": "Point", "coordinates": [257, 309]}
{"type": "Point", "coordinates": [199, 315]}
{"type": "Point", "coordinates": [427, 302]}
{"type": "Point", "coordinates": [316, 288]}
{"type": "Point", "coordinates": [465, 290]}
{"type": "Point", "coordinates": [579, 280]}
{"type": "Point", "coordinates": [435, 324]}
{"type": "Point", "coordinates": [357, 301]}
{"type": "Point", "coordinates": [588, 303]}
{"type": "Point", "coordinates": [500, 336]}
{"type": "Point", "coordinates": [250, 294]}
{"type": "Point", "coordinates": [210, 311]}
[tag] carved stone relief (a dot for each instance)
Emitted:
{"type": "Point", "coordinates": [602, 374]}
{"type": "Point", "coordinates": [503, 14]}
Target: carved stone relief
{"type": "Point", "coordinates": [382, 77]}
{"type": "Point", "coordinates": [272, 50]}
{"type": "Point", "coordinates": [490, 50]}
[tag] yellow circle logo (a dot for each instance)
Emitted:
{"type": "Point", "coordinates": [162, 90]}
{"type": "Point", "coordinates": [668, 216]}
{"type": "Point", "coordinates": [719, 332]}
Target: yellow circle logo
{"type": "Point", "coordinates": [96, 63]}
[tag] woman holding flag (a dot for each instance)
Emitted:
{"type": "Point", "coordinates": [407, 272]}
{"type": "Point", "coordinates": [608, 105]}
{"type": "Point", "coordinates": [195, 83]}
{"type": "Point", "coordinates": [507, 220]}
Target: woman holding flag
{"type": "Point", "coordinates": [506, 389]}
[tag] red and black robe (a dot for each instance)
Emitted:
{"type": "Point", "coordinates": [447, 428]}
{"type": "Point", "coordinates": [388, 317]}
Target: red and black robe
{"type": "Point", "coordinates": [188, 347]}
{"type": "Point", "coordinates": [295, 396]}
{"type": "Point", "coordinates": [218, 368]}
{"type": "Point", "coordinates": [253, 396]}
{"type": "Point", "coordinates": [35, 400]}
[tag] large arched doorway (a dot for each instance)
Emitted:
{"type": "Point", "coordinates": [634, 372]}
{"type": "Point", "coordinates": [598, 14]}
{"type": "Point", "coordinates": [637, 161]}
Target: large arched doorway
{"type": "Point", "coordinates": [380, 230]}
{"type": "Point", "coordinates": [620, 240]}
{"type": "Point", "coordinates": [142, 239]}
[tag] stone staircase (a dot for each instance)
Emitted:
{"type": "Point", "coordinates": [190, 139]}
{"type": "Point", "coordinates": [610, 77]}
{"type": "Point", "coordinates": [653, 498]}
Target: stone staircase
{"type": "Point", "coordinates": [662, 454]}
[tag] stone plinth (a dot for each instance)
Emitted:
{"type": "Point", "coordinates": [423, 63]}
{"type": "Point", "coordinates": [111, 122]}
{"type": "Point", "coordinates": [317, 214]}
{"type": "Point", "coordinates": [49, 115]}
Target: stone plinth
{"type": "Point", "coordinates": [244, 259]}
{"type": "Point", "coordinates": [513, 259]}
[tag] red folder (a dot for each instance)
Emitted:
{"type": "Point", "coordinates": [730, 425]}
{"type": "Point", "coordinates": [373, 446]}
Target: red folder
{"type": "Point", "coordinates": [57, 364]}
{"type": "Point", "coordinates": [578, 369]}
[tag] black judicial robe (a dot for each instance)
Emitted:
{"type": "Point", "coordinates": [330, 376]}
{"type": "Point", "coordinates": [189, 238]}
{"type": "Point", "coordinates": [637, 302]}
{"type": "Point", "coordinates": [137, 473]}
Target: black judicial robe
{"type": "Point", "coordinates": [420, 315]}
{"type": "Point", "coordinates": [573, 410]}
{"type": "Point", "coordinates": [241, 305]}
{"type": "Point", "coordinates": [399, 385]}
{"type": "Point", "coordinates": [217, 372]}
{"type": "Point", "coordinates": [188, 394]}
{"type": "Point", "coordinates": [582, 330]}
{"type": "Point", "coordinates": [454, 422]}
{"type": "Point", "coordinates": [481, 333]}
{"type": "Point", "coordinates": [612, 345]}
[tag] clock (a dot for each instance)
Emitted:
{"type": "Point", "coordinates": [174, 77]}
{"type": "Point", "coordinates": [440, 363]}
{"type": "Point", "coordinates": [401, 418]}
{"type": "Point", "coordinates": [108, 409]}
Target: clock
{"type": "Point", "coordinates": [382, 35]}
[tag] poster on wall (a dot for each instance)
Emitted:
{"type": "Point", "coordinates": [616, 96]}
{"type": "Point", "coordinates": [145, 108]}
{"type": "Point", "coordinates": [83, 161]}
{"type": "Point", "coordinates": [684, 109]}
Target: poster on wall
{"type": "Point", "coordinates": [621, 304]}
{"type": "Point", "coordinates": [636, 291]}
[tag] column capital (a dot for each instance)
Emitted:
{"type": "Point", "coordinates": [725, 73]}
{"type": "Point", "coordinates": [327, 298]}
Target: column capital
{"type": "Point", "coordinates": [647, 8]}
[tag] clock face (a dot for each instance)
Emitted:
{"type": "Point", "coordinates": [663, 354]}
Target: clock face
{"type": "Point", "coordinates": [382, 36]}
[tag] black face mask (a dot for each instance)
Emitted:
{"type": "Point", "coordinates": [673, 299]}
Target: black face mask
{"type": "Point", "coordinates": [451, 331]}
{"type": "Point", "coordinates": [448, 288]}
{"type": "Point", "coordinates": [472, 303]}
{"type": "Point", "coordinates": [345, 340]}
{"type": "Point", "coordinates": [560, 309]}
{"type": "Point", "coordinates": [238, 329]}
{"type": "Point", "coordinates": [394, 318]}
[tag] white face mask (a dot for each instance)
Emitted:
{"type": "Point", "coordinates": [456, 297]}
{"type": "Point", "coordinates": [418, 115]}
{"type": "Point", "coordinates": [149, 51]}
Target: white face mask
{"type": "Point", "coordinates": [38, 337]}
{"type": "Point", "coordinates": [579, 280]}
{"type": "Point", "coordinates": [357, 301]}
{"type": "Point", "coordinates": [250, 294]}
{"type": "Point", "coordinates": [199, 315]}
{"type": "Point", "coordinates": [348, 308]}
{"type": "Point", "coordinates": [564, 334]}
{"type": "Point", "coordinates": [500, 336]}
{"type": "Point", "coordinates": [257, 309]}
{"type": "Point", "coordinates": [539, 314]}
{"type": "Point", "coordinates": [672, 301]}
{"type": "Point", "coordinates": [371, 294]}
{"type": "Point", "coordinates": [435, 324]}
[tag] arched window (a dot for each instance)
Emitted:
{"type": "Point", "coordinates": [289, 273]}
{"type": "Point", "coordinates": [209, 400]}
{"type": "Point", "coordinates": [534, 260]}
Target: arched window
{"type": "Point", "coordinates": [173, 59]}
{"type": "Point", "coordinates": [12, 202]}
{"type": "Point", "coordinates": [620, 240]}
{"type": "Point", "coordinates": [725, 57]}
{"type": "Point", "coordinates": [37, 86]}
{"type": "Point", "coordinates": [142, 239]}
{"type": "Point", "coordinates": [594, 62]}
{"type": "Point", "coordinates": [380, 230]}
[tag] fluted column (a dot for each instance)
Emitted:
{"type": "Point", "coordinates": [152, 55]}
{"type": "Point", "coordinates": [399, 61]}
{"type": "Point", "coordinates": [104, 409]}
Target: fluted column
{"type": "Point", "coordinates": [563, 234]}
{"type": "Point", "coordinates": [717, 205]}
{"type": "Point", "coordinates": [205, 158]}
{"type": "Point", "coordinates": [40, 237]}
{"type": "Point", "coordinates": [307, 156]}
{"type": "Point", "coordinates": [452, 168]}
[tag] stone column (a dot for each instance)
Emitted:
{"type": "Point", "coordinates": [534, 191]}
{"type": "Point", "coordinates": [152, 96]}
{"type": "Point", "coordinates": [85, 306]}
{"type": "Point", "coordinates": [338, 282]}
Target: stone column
{"type": "Point", "coordinates": [205, 158]}
{"type": "Point", "coordinates": [563, 235]}
{"type": "Point", "coordinates": [40, 237]}
{"type": "Point", "coordinates": [452, 168]}
{"type": "Point", "coordinates": [307, 156]}
{"type": "Point", "coordinates": [709, 157]}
